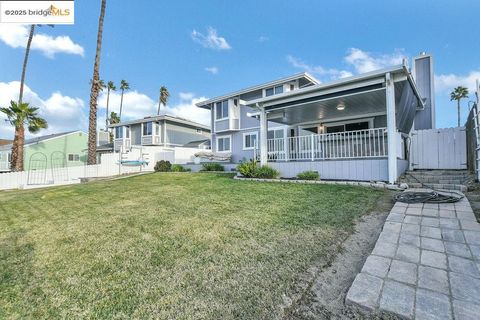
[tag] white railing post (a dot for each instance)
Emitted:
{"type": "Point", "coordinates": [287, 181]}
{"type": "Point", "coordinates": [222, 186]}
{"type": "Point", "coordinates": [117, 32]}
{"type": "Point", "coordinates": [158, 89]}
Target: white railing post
{"type": "Point", "coordinates": [263, 137]}
{"type": "Point", "coordinates": [313, 149]}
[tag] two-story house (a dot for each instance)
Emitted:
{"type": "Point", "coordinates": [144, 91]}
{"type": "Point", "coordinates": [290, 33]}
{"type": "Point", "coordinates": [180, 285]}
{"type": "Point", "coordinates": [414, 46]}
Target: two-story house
{"type": "Point", "coordinates": [163, 130]}
{"type": "Point", "coordinates": [354, 128]}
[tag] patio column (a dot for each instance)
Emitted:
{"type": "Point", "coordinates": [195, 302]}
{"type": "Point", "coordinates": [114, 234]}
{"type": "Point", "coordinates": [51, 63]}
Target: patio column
{"type": "Point", "coordinates": [391, 129]}
{"type": "Point", "coordinates": [263, 137]}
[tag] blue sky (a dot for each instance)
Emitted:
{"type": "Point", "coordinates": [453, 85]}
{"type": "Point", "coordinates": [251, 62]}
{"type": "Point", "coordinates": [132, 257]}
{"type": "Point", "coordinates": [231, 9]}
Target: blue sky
{"type": "Point", "coordinates": [201, 49]}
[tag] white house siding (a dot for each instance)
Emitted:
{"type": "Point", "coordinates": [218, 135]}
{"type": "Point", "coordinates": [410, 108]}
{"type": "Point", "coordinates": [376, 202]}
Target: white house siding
{"type": "Point", "coordinates": [356, 170]}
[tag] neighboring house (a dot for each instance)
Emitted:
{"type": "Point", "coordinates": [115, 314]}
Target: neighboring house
{"type": "Point", "coordinates": [4, 142]}
{"type": "Point", "coordinates": [354, 128]}
{"type": "Point", "coordinates": [164, 131]}
{"type": "Point", "coordinates": [61, 149]}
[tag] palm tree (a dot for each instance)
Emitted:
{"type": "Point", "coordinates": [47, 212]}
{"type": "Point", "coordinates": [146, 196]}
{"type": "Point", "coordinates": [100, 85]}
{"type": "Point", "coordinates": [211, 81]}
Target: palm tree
{"type": "Point", "coordinates": [123, 86]}
{"type": "Point", "coordinates": [114, 118]}
{"type": "Point", "coordinates": [92, 119]}
{"type": "Point", "coordinates": [19, 116]}
{"type": "Point", "coordinates": [110, 87]}
{"type": "Point", "coordinates": [458, 94]}
{"type": "Point", "coordinates": [25, 61]}
{"type": "Point", "coordinates": [162, 100]}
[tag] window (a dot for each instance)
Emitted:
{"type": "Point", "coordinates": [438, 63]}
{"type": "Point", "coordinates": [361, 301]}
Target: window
{"type": "Point", "coordinates": [250, 140]}
{"type": "Point", "coordinates": [147, 128]}
{"type": "Point", "coordinates": [118, 132]}
{"type": "Point", "coordinates": [292, 87]}
{"type": "Point", "coordinates": [127, 132]}
{"type": "Point", "coordinates": [275, 134]}
{"type": "Point", "coordinates": [221, 110]}
{"type": "Point", "coordinates": [199, 131]}
{"type": "Point", "coordinates": [274, 90]}
{"type": "Point", "coordinates": [157, 129]}
{"type": "Point", "coordinates": [73, 157]}
{"type": "Point", "coordinates": [351, 126]}
{"type": "Point", "coordinates": [223, 144]}
{"type": "Point", "coordinates": [356, 126]}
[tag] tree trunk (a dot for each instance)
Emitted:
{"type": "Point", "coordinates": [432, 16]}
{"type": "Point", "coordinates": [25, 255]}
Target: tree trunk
{"type": "Point", "coordinates": [458, 112]}
{"type": "Point", "coordinates": [108, 99]}
{"type": "Point", "coordinates": [92, 119]}
{"type": "Point", "coordinates": [159, 104]}
{"type": "Point", "coordinates": [16, 162]}
{"type": "Point", "coordinates": [25, 61]}
{"type": "Point", "coordinates": [20, 143]}
{"type": "Point", "coordinates": [121, 105]}
{"type": "Point", "coordinates": [13, 160]}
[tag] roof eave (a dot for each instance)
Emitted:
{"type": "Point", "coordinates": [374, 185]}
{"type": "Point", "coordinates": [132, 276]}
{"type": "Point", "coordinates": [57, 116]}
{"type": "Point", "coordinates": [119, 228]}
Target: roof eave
{"type": "Point", "coordinates": [205, 104]}
{"type": "Point", "coordinates": [323, 86]}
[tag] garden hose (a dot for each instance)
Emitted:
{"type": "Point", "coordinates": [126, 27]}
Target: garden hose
{"type": "Point", "coordinates": [427, 197]}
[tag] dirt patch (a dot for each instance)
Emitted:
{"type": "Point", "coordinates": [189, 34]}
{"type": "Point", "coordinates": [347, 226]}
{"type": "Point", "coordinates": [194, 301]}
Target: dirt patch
{"type": "Point", "coordinates": [325, 297]}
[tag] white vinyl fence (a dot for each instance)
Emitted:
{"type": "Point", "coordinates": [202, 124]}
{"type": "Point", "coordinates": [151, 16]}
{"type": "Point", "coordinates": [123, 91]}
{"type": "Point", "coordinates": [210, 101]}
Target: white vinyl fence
{"type": "Point", "coordinates": [439, 149]}
{"type": "Point", "coordinates": [109, 166]}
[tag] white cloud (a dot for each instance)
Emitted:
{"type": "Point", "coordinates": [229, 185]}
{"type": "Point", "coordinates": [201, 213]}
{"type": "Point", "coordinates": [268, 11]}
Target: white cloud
{"type": "Point", "coordinates": [137, 105]}
{"type": "Point", "coordinates": [212, 40]}
{"type": "Point", "coordinates": [186, 96]}
{"type": "Point", "coordinates": [212, 70]}
{"type": "Point", "coordinates": [444, 83]}
{"type": "Point", "coordinates": [63, 113]}
{"type": "Point", "coordinates": [363, 61]}
{"type": "Point", "coordinates": [318, 70]}
{"type": "Point", "coordinates": [16, 36]}
{"type": "Point", "coordinates": [188, 110]}
{"type": "Point", "coordinates": [263, 39]}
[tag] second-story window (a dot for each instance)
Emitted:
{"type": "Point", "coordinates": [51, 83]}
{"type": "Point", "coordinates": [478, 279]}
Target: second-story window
{"type": "Point", "coordinates": [147, 128]}
{"type": "Point", "coordinates": [221, 110]}
{"type": "Point", "coordinates": [118, 132]}
{"type": "Point", "coordinates": [273, 90]}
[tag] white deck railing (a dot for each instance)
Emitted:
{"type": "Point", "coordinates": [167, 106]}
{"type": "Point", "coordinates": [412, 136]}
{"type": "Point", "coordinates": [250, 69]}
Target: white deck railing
{"type": "Point", "coordinates": [370, 143]}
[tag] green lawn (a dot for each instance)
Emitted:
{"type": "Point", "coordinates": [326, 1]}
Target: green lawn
{"type": "Point", "coordinates": [169, 246]}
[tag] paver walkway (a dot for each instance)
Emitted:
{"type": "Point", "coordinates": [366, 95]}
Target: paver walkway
{"type": "Point", "coordinates": [425, 264]}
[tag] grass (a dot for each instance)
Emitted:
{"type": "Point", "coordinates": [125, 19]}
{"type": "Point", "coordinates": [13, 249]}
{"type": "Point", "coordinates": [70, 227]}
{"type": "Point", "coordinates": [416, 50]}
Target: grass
{"type": "Point", "coordinates": [169, 246]}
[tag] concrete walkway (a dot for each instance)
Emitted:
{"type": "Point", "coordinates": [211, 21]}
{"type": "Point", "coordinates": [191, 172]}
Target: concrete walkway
{"type": "Point", "coordinates": [425, 265]}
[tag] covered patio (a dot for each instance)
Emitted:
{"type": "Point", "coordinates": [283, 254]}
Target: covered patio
{"type": "Point", "coordinates": [351, 129]}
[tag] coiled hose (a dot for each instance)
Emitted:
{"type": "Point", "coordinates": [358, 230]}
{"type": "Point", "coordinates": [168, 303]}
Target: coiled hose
{"type": "Point", "coordinates": [427, 197]}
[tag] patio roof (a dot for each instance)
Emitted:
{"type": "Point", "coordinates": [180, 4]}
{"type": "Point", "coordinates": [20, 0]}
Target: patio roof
{"type": "Point", "coordinates": [338, 88]}
{"type": "Point", "coordinates": [362, 97]}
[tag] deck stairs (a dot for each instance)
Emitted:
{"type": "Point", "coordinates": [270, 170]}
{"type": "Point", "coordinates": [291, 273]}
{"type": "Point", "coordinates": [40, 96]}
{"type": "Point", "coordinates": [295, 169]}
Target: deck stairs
{"type": "Point", "coordinates": [438, 179]}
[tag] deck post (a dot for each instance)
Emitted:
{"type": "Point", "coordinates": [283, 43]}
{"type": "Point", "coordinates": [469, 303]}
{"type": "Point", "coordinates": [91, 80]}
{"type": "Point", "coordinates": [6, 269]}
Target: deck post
{"type": "Point", "coordinates": [391, 129]}
{"type": "Point", "coordinates": [263, 137]}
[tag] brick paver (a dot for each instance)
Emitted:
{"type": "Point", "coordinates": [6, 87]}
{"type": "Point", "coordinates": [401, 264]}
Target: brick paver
{"type": "Point", "coordinates": [425, 264]}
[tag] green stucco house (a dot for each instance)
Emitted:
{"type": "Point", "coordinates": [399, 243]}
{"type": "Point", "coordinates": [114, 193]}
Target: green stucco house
{"type": "Point", "coordinates": [60, 149]}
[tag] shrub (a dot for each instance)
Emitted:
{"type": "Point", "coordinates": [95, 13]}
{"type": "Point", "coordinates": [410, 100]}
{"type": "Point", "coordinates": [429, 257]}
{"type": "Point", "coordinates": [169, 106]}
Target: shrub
{"type": "Point", "coordinates": [308, 175]}
{"type": "Point", "coordinates": [210, 166]}
{"type": "Point", "coordinates": [179, 168]}
{"type": "Point", "coordinates": [265, 172]}
{"type": "Point", "coordinates": [247, 168]}
{"type": "Point", "coordinates": [163, 166]}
